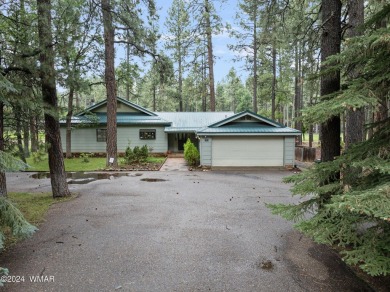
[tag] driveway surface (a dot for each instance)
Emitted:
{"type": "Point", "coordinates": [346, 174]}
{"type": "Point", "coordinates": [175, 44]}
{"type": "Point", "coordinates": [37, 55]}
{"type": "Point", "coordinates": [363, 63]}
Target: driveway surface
{"type": "Point", "coordinates": [172, 231]}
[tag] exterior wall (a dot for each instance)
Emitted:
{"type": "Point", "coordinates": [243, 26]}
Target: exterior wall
{"type": "Point", "coordinates": [84, 139]}
{"type": "Point", "coordinates": [205, 145]}
{"type": "Point", "coordinates": [289, 151]}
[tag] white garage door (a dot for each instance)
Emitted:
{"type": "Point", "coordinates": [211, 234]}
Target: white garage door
{"type": "Point", "coordinates": [247, 151]}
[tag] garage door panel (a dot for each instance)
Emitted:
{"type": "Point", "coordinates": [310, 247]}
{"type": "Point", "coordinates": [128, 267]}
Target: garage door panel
{"type": "Point", "coordinates": [247, 151]}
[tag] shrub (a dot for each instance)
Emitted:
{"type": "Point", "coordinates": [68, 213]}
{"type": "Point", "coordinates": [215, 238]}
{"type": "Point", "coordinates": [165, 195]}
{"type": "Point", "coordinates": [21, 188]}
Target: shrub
{"type": "Point", "coordinates": [85, 157]}
{"type": "Point", "coordinates": [137, 154]}
{"type": "Point", "coordinates": [191, 153]}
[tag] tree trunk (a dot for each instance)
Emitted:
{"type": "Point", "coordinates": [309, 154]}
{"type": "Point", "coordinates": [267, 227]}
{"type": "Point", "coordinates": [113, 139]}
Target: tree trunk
{"type": "Point", "coordinates": [154, 96]}
{"type": "Point", "coordinates": [381, 113]}
{"type": "Point", "coordinates": [18, 132]}
{"type": "Point", "coordinates": [69, 123]}
{"type": "Point", "coordinates": [255, 108]}
{"type": "Point", "coordinates": [204, 86]}
{"type": "Point", "coordinates": [354, 120]}
{"type": "Point", "coordinates": [77, 101]}
{"type": "Point", "coordinates": [128, 73]}
{"type": "Point", "coordinates": [26, 139]}
{"type": "Point", "coordinates": [330, 45]}
{"type": "Point", "coordinates": [49, 94]}
{"type": "Point", "coordinates": [180, 82]}
{"type": "Point", "coordinates": [273, 92]}
{"type": "Point", "coordinates": [33, 133]}
{"type": "Point", "coordinates": [3, 180]}
{"type": "Point", "coordinates": [109, 50]}
{"type": "Point", "coordinates": [210, 56]}
{"type": "Point", "coordinates": [297, 92]}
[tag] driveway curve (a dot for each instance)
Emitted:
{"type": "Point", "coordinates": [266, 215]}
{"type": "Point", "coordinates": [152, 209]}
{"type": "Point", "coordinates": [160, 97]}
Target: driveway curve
{"type": "Point", "coordinates": [173, 231]}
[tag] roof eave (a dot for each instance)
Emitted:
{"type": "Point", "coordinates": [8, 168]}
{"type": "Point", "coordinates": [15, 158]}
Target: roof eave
{"type": "Point", "coordinates": [246, 134]}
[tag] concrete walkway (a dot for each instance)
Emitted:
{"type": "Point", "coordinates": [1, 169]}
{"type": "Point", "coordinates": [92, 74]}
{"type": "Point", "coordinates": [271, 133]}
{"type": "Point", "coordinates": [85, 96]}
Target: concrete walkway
{"type": "Point", "coordinates": [174, 164]}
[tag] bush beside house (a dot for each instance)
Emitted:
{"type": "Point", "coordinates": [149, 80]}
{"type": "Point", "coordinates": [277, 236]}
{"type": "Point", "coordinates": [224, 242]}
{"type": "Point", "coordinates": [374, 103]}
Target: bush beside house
{"type": "Point", "coordinates": [191, 153]}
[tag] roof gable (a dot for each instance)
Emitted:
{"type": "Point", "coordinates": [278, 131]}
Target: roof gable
{"type": "Point", "coordinates": [247, 123]}
{"type": "Point", "coordinates": [246, 119]}
{"type": "Point", "coordinates": [124, 106]}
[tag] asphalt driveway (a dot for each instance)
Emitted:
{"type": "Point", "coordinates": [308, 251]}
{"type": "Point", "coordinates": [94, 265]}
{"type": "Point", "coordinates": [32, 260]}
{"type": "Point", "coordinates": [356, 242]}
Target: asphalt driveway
{"type": "Point", "coordinates": [172, 231]}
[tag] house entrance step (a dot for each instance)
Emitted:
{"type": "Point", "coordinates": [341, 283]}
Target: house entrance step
{"type": "Point", "coordinates": [176, 155]}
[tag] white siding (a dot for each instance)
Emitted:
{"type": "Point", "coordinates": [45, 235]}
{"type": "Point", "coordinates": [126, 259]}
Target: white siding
{"type": "Point", "coordinates": [247, 151]}
{"type": "Point", "coordinates": [84, 139]}
{"type": "Point", "coordinates": [289, 151]}
{"type": "Point", "coordinates": [205, 151]}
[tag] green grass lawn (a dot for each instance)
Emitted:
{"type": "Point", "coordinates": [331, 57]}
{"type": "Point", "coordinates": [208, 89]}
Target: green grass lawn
{"type": "Point", "coordinates": [71, 164]}
{"type": "Point", "coordinates": [33, 207]}
{"type": "Point", "coordinates": [77, 164]}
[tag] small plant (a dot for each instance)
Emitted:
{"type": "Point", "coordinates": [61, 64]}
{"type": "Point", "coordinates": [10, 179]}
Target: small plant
{"type": "Point", "coordinates": [85, 157]}
{"type": "Point", "coordinates": [191, 153]}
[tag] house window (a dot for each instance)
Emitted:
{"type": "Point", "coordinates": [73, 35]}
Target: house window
{"type": "Point", "coordinates": [101, 135]}
{"type": "Point", "coordinates": [147, 134]}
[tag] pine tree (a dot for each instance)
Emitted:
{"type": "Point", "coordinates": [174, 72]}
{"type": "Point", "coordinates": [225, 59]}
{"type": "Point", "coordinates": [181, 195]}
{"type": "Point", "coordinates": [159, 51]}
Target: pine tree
{"type": "Point", "coordinates": [109, 77]}
{"type": "Point", "coordinates": [49, 94]}
{"type": "Point", "coordinates": [356, 217]}
{"type": "Point", "coordinates": [248, 20]}
{"type": "Point", "coordinates": [178, 24]}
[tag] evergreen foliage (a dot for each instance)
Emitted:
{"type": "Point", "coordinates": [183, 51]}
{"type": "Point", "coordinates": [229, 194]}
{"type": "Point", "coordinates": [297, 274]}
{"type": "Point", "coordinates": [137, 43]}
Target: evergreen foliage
{"type": "Point", "coordinates": [10, 163]}
{"type": "Point", "coordinates": [137, 154]}
{"type": "Point", "coordinates": [191, 153]}
{"type": "Point", "coordinates": [11, 217]}
{"type": "Point", "coordinates": [347, 200]}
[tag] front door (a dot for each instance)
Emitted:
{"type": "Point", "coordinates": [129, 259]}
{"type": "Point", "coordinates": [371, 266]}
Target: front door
{"type": "Point", "coordinates": [182, 138]}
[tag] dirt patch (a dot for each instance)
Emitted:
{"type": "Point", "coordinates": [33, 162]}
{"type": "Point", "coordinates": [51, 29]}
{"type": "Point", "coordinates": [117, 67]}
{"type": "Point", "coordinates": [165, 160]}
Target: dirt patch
{"type": "Point", "coordinates": [316, 265]}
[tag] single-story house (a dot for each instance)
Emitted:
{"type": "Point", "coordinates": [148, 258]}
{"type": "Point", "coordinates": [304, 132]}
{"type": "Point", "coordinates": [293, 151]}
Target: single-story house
{"type": "Point", "coordinates": [224, 139]}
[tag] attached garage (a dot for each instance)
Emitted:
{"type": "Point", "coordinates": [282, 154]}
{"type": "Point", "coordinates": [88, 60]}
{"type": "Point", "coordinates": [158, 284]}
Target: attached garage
{"type": "Point", "coordinates": [247, 151]}
{"type": "Point", "coordinates": [247, 140]}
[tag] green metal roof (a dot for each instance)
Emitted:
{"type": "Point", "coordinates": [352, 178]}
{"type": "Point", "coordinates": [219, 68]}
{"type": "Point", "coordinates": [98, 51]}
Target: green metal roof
{"type": "Point", "coordinates": [190, 122]}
